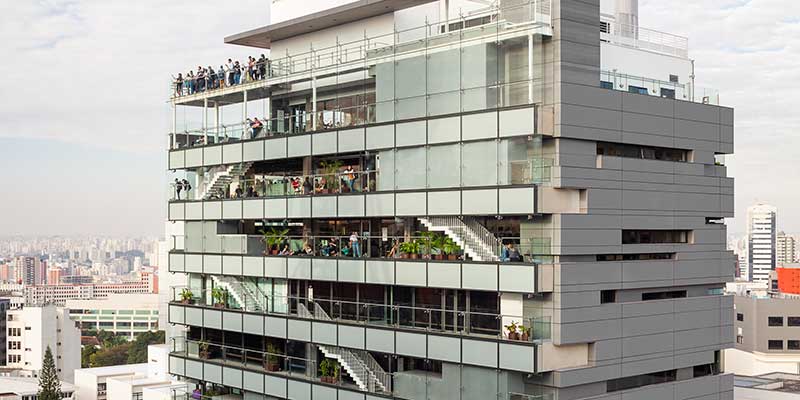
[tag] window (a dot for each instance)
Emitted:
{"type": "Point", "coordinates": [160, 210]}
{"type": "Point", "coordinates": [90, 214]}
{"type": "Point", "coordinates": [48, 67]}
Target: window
{"type": "Point", "coordinates": [793, 321]}
{"type": "Point", "coordinates": [654, 236]}
{"type": "Point", "coordinates": [775, 321]}
{"type": "Point", "coordinates": [675, 294]}
{"type": "Point", "coordinates": [703, 370]}
{"type": "Point", "coordinates": [740, 339]}
{"type": "Point", "coordinates": [604, 27]}
{"type": "Point", "coordinates": [739, 317]}
{"type": "Point", "coordinates": [637, 89]}
{"type": "Point", "coordinates": [793, 344]}
{"type": "Point", "coordinates": [673, 78]}
{"type": "Point", "coordinates": [643, 152]}
{"type": "Point", "coordinates": [631, 382]}
{"type": "Point", "coordinates": [606, 85]}
{"type": "Point", "coordinates": [775, 344]}
{"type": "Point", "coordinates": [635, 257]}
{"type": "Point", "coordinates": [668, 93]}
{"type": "Point", "coordinates": [608, 296]}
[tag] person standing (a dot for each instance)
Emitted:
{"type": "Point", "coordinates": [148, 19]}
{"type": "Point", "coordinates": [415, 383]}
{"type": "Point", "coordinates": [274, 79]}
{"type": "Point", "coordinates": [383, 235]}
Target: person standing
{"type": "Point", "coordinates": [221, 77]}
{"type": "Point", "coordinates": [179, 85]}
{"type": "Point", "coordinates": [350, 177]}
{"type": "Point", "coordinates": [229, 72]}
{"type": "Point", "coordinates": [262, 67]}
{"type": "Point", "coordinates": [354, 245]}
{"type": "Point", "coordinates": [186, 187]}
{"type": "Point", "coordinates": [178, 188]}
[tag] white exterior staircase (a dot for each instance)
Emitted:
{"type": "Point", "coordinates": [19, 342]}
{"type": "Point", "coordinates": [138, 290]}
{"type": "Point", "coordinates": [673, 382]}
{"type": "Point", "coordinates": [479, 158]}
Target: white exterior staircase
{"type": "Point", "coordinates": [223, 177]}
{"type": "Point", "coordinates": [476, 241]}
{"type": "Point", "coordinates": [248, 296]}
{"type": "Point", "coordinates": [359, 364]}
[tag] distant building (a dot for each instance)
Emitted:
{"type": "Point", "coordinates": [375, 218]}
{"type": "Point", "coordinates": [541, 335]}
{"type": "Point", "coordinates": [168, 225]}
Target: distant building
{"type": "Point", "coordinates": [53, 275]}
{"type": "Point", "coordinates": [29, 270]}
{"type": "Point", "coordinates": [7, 273]}
{"type": "Point", "coordinates": [59, 294]}
{"type": "Point", "coordinates": [761, 235]}
{"type": "Point", "coordinates": [122, 314]}
{"type": "Point", "coordinates": [789, 279]}
{"type": "Point", "coordinates": [32, 329]}
{"type": "Point", "coordinates": [24, 388]}
{"type": "Point", "coordinates": [786, 249]}
{"type": "Point", "coordinates": [5, 304]}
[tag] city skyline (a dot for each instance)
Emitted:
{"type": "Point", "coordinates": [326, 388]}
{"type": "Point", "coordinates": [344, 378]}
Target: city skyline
{"type": "Point", "coordinates": [129, 123]}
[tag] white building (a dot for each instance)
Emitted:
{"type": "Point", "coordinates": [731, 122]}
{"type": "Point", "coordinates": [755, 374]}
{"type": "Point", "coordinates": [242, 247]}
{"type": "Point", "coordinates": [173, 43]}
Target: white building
{"type": "Point", "coordinates": [31, 329]}
{"type": "Point", "coordinates": [761, 240]}
{"type": "Point", "coordinates": [126, 381]}
{"type": "Point", "coordinates": [21, 388]}
{"type": "Point", "coordinates": [786, 249]}
{"type": "Point", "coordinates": [122, 314]}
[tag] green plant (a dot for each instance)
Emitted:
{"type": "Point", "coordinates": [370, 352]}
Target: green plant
{"type": "Point", "coordinates": [410, 247]}
{"type": "Point", "coordinates": [330, 169]}
{"type": "Point", "coordinates": [49, 384]}
{"type": "Point", "coordinates": [273, 353]}
{"type": "Point", "coordinates": [204, 348]}
{"type": "Point", "coordinates": [512, 327]}
{"type": "Point", "coordinates": [219, 295]}
{"type": "Point", "coordinates": [274, 237]}
{"type": "Point", "coordinates": [186, 295]}
{"type": "Point", "coordinates": [449, 246]}
{"type": "Point", "coordinates": [329, 368]}
{"type": "Point", "coordinates": [429, 242]}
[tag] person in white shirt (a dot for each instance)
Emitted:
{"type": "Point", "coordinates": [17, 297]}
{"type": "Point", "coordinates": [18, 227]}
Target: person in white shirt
{"type": "Point", "coordinates": [229, 72]}
{"type": "Point", "coordinates": [354, 245]}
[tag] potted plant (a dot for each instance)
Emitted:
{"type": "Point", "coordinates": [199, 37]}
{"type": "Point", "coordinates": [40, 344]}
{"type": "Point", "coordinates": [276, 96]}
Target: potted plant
{"type": "Point", "coordinates": [525, 334]}
{"type": "Point", "coordinates": [450, 248]}
{"type": "Point", "coordinates": [330, 172]}
{"type": "Point", "coordinates": [273, 239]}
{"type": "Point", "coordinates": [512, 331]}
{"type": "Point", "coordinates": [410, 249]}
{"type": "Point", "coordinates": [272, 360]}
{"type": "Point", "coordinates": [187, 297]}
{"type": "Point", "coordinates": [220, 297]}
{"type": "Point", "coordinates": [430, 243]}
{"type": "Point", "coordinates": [205, 351]}
{"type": "Point", "coordinates": [329, 369]}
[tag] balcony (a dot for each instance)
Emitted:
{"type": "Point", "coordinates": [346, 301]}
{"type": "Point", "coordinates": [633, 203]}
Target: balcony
{"type": "Point", "coordinates": [643, 38]}
{"type": "Point", "coordinates": [613, 80]}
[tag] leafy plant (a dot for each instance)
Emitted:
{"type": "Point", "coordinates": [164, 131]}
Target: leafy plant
{"type": "Point", "coordinates": [512, 327]}
{"type": "Point", "coordinates": [449, 246]}
{"type": "Point", "coordinates": [330, 169]}
{"type": "Point", "coordinates": [274, 237]}
{"type": "Point", "coordinates": [186, 295]}
{"type": "Point", "coordinates": [330, 368]}
{"type": "Point", "coordinates": [410, 247]}
{"type": "Point", "coordinates": [219, 295]}
{"type": "Point", "coordinates": [205, 348]}
{"type": "Point", "coordinates": [429, 242]}
{"type": "Point", "coordinates": [273, 353]}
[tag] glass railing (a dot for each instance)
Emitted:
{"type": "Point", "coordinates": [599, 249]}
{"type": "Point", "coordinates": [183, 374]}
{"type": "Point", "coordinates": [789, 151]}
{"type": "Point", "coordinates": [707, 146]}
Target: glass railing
{"type": "Point", "coordinates": [459, 100]}
{"type": "Point", "coordinates": [658, 88]}
{"type": "Point", "coordinates": [502, 22]}
{"type": "Point", "coordinates": [433, 246]}
{"type": "Point", "coordinates": [233, 295]}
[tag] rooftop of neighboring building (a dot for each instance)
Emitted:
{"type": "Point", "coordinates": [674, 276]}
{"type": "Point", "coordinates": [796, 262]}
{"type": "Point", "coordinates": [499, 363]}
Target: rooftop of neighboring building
{"type": "Point", "coordinates": [23, 386]}
{"type": "Point", "coordinates": [116, 301]}
{"type": "Point", "coordinates": [774, 386]}
{"type": "Point", "coordinates": [115, 370]}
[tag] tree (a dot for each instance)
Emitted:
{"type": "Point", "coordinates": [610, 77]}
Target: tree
{"type": "Point", "coordinates": [49, 384]}
{"type": "Point", "coordinates": [86, 355]}
{"type": "Point", "coordinates": [138, 352]}
{"type": "Point", "coordinates": [111, 356]}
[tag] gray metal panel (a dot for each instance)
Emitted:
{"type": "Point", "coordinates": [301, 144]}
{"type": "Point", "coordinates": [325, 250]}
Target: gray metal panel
{"type": "Point", "coordinates": [212, 210]}
{"type": "Point", "coordinates": [176, 212]}
{"type": "Point", "coordinates": [253, 382]}
{"type": "Point", "coordinates": [275, 148]}
{"type": "Point", "coordinates": [299, 390]}
{"type": "Point", "coordinates": [518, 278]}
{"type": "Point", "coordinates": [444, 275]}
{"type": "Point", "coordinates": [253, 324]}
{"type": "Point", "coordinates": [351, 336]}
{"type": "Point", "coordinates": [320, 392]}
{"type": "Point", "coordinates": [517, 358]}
{"type": "Point", "coordinates": [479, 126]}
{"type": "Point", "coordinates": [194, 263]}
{"type": "Point", "coordinates": [212, 155]}
{"type": "Point", "coordinates": [380, 272]}
{"type": "Point", "coordinates": [176, 263]}
{"type": "Point", "coordinates": [299, 146]}
{"type": "Point", "coordinates": [177, 159]}
{"type": "Point", "coordinates": [232, 321]}
{"type": "Point", "coordinates": [194, 316]}
{"type": "Point", "coordinates": [275, 327]}
{"type": "Point", "coordinates": [443, 130]}
{"type": "Point", "coordinates": [380, 340]}
{"type": "Point", "coordinates": [351, 140]}
{"type": "Point", "coordinates": [253, 266]}
{"type": "Point", "coordinates": [351, 205]}
{"type": "Point", "coordinates": [275, 386]}
{"type": "Point", "coordinates": [411, 273]}
{"type": "Point", "coordinates": [194, 369]}
{"type": "Point", "coordinates": [411, 133]}
{"type": "Point", "coordinates": [517, 122]}
{"type": "Point", "coordinates": [350, 395]}
{"type": "Point", "coordinates": [517, 201]}
{"type": "Point", "coordinates": [380, 205]}
{"type": "Point", "coordinates": [298, 207]}
{"type": "Point", "coordinates": [194, 211]}
{"type": "Point", "coordinates": [380, 137]}
{"type": "Point", "coordinates": [351, 270]}
{"type": "Point", "coordinates": [322, 206]}
{"type": "Point", "coordinates": [253, 151]}
{"type": "Point", "coordinates": [176, 314]}
{"type": "Point", "coordinates": [275, 208]}
{"type": "Point", "coordinates": [194, 158]}
{"type": "Point", "coordinates": [411, 204]}
{"type": "Point", "coordinates": [444, 348]}
{"type": "Point", "coordinates": [477, 352]}
{"type": "Point", "coordinates": [232, 265]}
{"type": "Point", "coordinates": [212, 264]}
{"type": "Point", "coordinates": [324, 332]}
{"type": "Point", "coordinates": [323, 143]}
{"type": "Point", "coordinates": [212, 319]}
{"type": "Point", "coordinates": [298, 268]}
{"type": "Point", "coordinates": [411, 344]}
{"type": "Point", "coordinates": [442, 203]}
{"type": "Point", "coordinates": [275, 267]}
{"type": "Point", "coordinates": [324, 269]}
{"type": "Point", "coordinates": [479, 202]}
{"type": "Point", "coordinates": [176, 366]}
{"type": "Point", "coordinates": [232, 377]}
{"type": "Point", "coordinates": [253, 209]}
{"type": "Point", "coordinates": [232, 153]}
{"type": "Point", "coordinates": [299, 330]}
{"type": "Point", "coordinates": [478, 276]}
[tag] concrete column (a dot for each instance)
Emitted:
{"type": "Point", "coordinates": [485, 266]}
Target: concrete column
{"type": "Point", "coordinates": [205, 120]}
{"type": "Point", "coordinates": [314, 102]}
{"type": "Point", "coordinates": [244, 111]}
{"type": "Point", "coordinates": [216, 122]}
{"type": "Point", "coordinates": [530, 68]}
{"type": "Point", "coordinates": [174, 138]}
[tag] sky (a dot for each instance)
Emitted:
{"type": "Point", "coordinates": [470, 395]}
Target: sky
{"type": "Point", "coordinates": [84, 87]}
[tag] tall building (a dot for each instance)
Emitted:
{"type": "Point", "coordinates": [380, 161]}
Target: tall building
{"type": "Point", "coordinates": [785, 249]}
{"type": "Point", "coordinates": [517, 201]}
{"type": "Point", "coordinates": [32, 329]}
{"type": "Point", "coordinates": [29, 270]}
{"type": "Point", "coordinates": [761, 239]}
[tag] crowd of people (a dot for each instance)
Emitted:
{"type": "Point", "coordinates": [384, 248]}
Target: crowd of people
{"type": "Point", "coordinates": [229, 74]}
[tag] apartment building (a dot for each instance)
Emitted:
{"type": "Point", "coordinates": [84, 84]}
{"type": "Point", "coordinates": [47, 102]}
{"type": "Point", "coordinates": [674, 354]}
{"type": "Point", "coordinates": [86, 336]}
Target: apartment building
{"type": "Point", "coordinates": [517, 201]}
{"type": "Point", "coordinates": [31, 330]}
{"type": "Point", "coordinates": [60, 293]}
{"type": "Point", "coordinates": [785, 249]}
{"type": "Point", "coordinates": [761, 240]}
{"type": "Point", "coordinates": [123, 314]}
